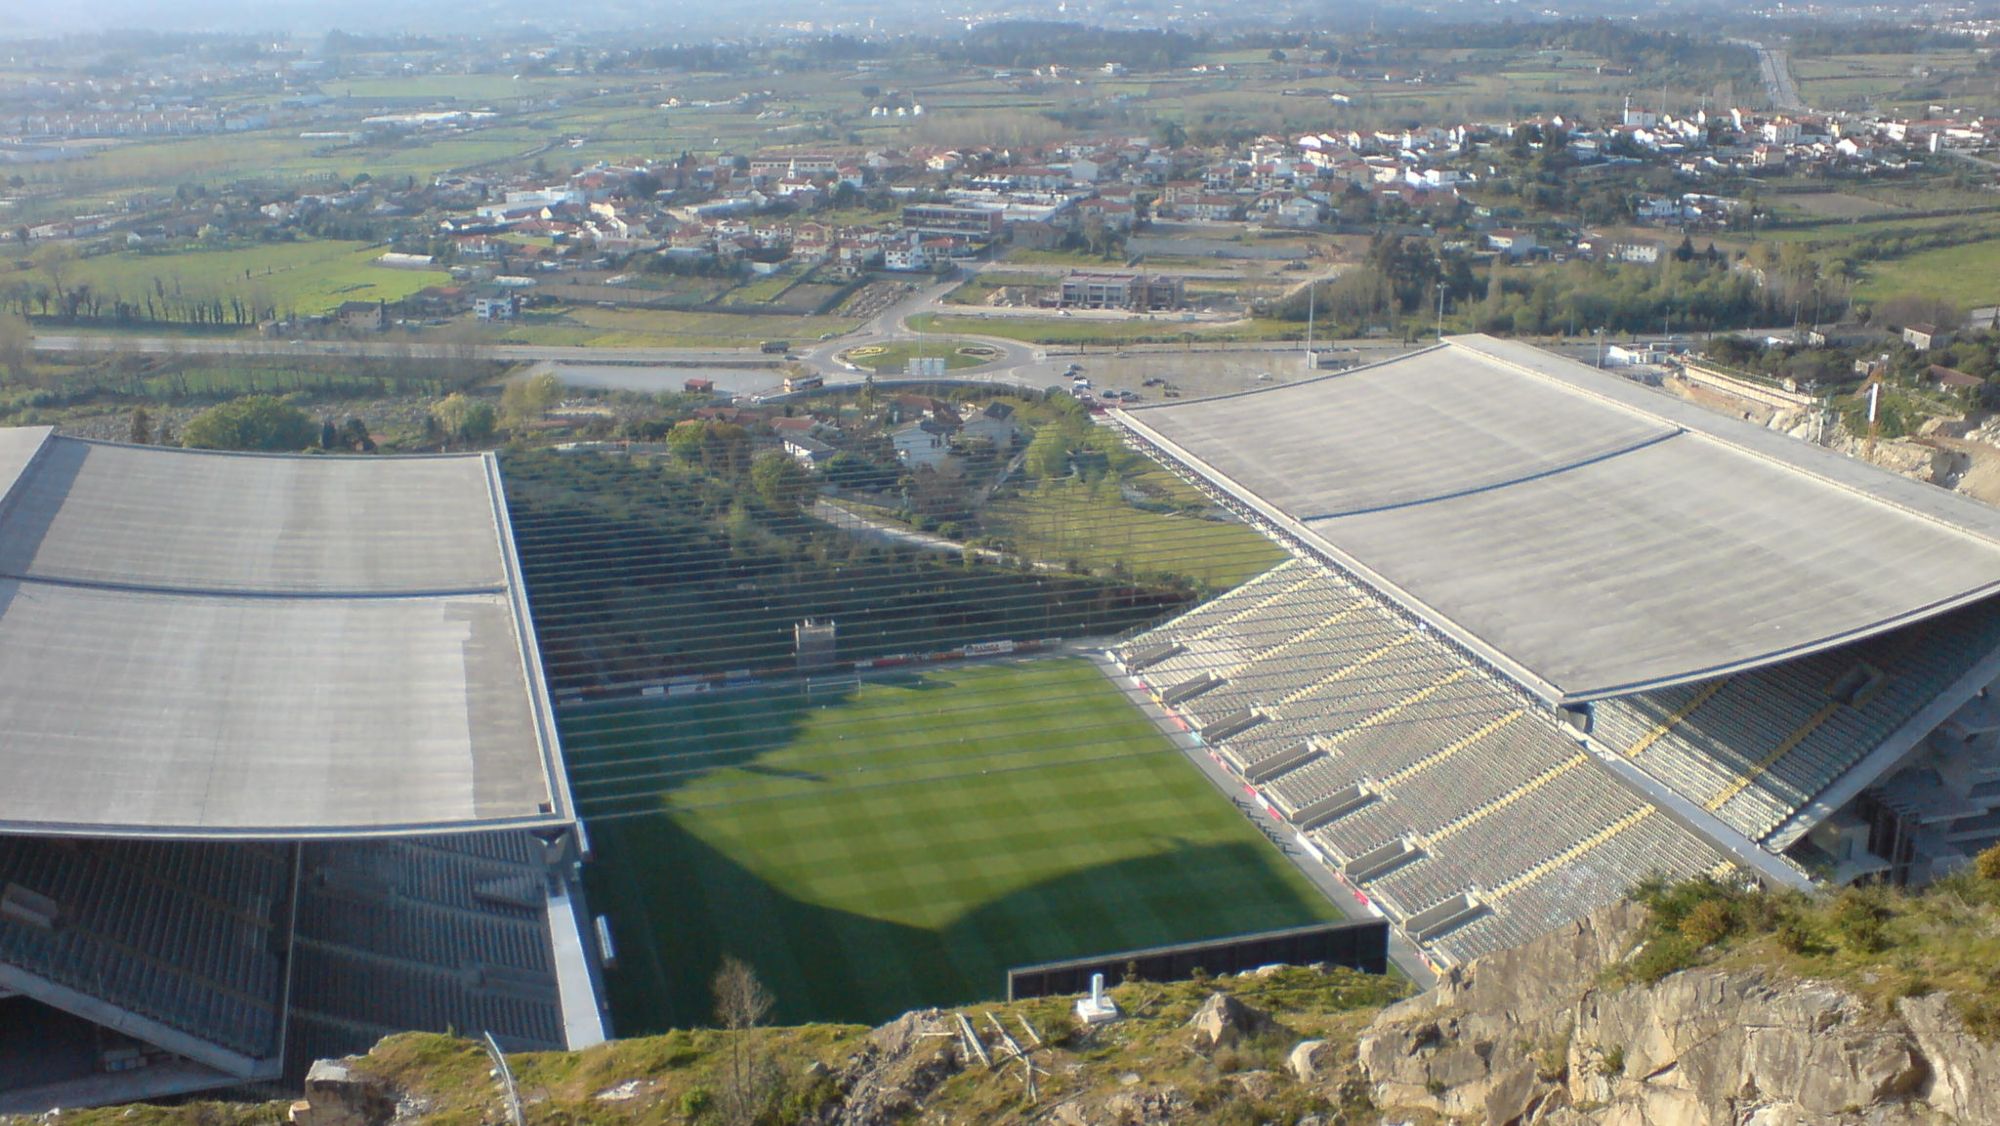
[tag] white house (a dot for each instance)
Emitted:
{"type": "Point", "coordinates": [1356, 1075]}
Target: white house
{"type": "Point", "coordinates": [912, 256]}
{"type": "Point", "coordinates": [994, 424]}
{"type": "Point", "coordinates": [923, 442]}
{"type": "Point", "coordinates": [1511, 242]}
{"type": "Point", "coordinates": [808, 451]}
{"type": "Point", "coordinates": [1643, 253]}
{"type": "Point", "coordinates": [496, 304]}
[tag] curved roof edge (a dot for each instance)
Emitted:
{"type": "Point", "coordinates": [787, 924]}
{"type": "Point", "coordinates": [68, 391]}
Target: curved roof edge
{"type": "Point", "coordinates": [531, 649]}
{"type": "Point", "coordinates": [1941, 507]}
{"type": "Point", "coordinates": [1952, 510]}
{"type": "Point", "coordinates": [542, 797]}
{"type": "Point", "coordinates": [560, 819]}
{"type": "Point", "coordinates": [1347, 564]}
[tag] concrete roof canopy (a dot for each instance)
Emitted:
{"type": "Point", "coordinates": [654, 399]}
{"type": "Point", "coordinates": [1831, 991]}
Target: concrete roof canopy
{"type": "Point", "coordinates": [226, 645]}
{"type": "Point", "coordinates": [1586, 535]}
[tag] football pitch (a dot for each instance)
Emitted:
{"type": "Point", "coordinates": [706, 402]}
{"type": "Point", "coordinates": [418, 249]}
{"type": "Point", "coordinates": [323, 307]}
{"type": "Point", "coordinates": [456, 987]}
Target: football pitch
{"type": "Point", "coordinates": [902, 842]}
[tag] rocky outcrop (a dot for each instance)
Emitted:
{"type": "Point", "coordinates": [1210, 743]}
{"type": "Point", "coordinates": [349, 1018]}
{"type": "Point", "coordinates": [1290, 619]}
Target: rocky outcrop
{"type": "Point", "coordinates": [1312, 1061]}
{"type": "Point", "coordinates": [1223, 1021]}
{"type": "Point", "coordinates": [1724, 1047]}
{"type": "Point", "coordinates": [1536, 1035]}
{"type": "Point", "coordinates": [1964, 1079]}
{"type": "Point", "coordinates": [337, 1095]}
{"type": "Point", "coordinates": [904, 1061]}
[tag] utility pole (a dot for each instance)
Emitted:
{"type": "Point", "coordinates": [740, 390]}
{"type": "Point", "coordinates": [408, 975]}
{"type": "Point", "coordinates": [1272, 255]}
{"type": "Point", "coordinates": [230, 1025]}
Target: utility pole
{"type": "Point", "coordinates": [1312, 307]}
{"type": "Point", "coordinates": [1441, 288]}
{"type": "Point", "coordinates": [1874, 421]}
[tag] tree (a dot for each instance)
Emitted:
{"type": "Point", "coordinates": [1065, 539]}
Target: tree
{"type": "Point", "coordinates": [53, 260]}
{"type": "Point", "coordinates": [329, 436]}
{"type": "Point", "coordinates": [781, 482]}
{"type": "Point", "coordinates": [17, 346]}
{"type": "Point", "coordinates": [741, 1004]}
{"type": "Point", "coordinates": [725, 449]}
{"type": "Point", "coordinates": [356, 437]}
{"type": "Point", "coordinates": [464, 419]}
{"type": "Point", "coordinates": [527, 400]}
{"type": "Point", "coordinates": [251, 422]}
{"type": "Point", "coordinates": [684, 440]}
{"type": "Point", "coordinates": [142, 427]}
{"type": "Point", "coordinates": [1048, 454]}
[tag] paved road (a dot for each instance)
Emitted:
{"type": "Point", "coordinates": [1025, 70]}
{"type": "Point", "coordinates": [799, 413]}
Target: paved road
{"type": "Point", "coordinates": [1402, 952]}
{"type": "Point", "coordinates": [391, 349]}
{"type": "Point", "coordinates": [738, 371]}
{"type": "Point", "coordinates": [1774, 65]}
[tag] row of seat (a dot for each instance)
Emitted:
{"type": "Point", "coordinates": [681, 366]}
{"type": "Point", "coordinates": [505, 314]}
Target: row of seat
{"type": "Point", "coordinates": [1428, 778]}
{"type": "Point", "coordinates": [430, 875]}
{"type": "Point", "coordinates": [1759, 746]}
{"type": "Point", "coordinates": [167, 930]}
{"type": "Point", "coordinates": [400, 996]}
{"type": "Point", "coordinates": [1601, 874]}
{"type": "Point", "coordinates": [397, 935]}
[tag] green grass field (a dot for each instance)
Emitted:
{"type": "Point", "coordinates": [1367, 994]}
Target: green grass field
{"type": "Point", "coordinates": [905, 843]}
{"type": "Point", "coordinates": [1064, 520]}
{"type": "Point", "coordinates": [1080, 330]}
{"type": "Point", "coordinates": [1967, 275]}
{"type": "Point", "coordinates": [894, 358]}
{"type": "Point", "coordinates": [306, 277]}
{"type": "Point", "coordinates": [669, 328]}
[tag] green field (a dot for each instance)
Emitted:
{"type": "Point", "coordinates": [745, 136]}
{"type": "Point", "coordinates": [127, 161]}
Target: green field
{"type": "Point", "coordinates": [903, 844]}
{"type": "Point", "coordinates": [305, 277]}
{"type": "Point", "coordinates": [1082, 330]}
{"type": "Point", "coordinates": [894, 358]}
{"type": "Point", "coordinates": [1967, 275]}
{"type": "Point", "coordinates": [1070, 520]}
{"type": "Point", "coordinates": [668, 328]}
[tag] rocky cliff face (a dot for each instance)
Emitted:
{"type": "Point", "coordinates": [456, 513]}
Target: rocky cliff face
{"type": "Point", "coordinates": [1535, 1035]}
{"type": "Point", "coordinates": [1538, 1036]}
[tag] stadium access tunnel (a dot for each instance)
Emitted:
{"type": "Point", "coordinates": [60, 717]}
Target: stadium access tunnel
{"type": "Point", "coordinates": [279, 771]}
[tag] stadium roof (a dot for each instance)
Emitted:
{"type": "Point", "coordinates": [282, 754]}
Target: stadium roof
{"type": "Point", "coordinates": [1588, 536]}
{"type": "Point", "coordinates": [206, 644]}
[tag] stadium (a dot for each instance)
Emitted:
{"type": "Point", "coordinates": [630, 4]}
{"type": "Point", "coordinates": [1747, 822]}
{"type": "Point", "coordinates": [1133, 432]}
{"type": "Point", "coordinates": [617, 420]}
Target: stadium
{"type": "Point", "coordinates": [300, 750]}
{"type": "Point", "coordinates": [1547, 634]}
{"type": "Point", "coordinates": [281, 775]}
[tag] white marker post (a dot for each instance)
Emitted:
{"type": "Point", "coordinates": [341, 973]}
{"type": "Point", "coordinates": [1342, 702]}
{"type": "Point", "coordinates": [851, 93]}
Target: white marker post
{"type": "Point", "coordinates": [1097, 1008]}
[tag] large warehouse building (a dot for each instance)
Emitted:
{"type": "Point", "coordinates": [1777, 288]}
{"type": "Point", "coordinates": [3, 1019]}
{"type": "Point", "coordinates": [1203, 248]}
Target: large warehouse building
{"type": "Point", "coordinates": [279, 774]}
{"type": "Point", "coordinates": [1546, 633]}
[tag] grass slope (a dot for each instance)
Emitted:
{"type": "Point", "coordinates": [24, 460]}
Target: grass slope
{"type": "Point", "coordinates": [1069, 520]}
{"type": "Point", "coordinates": [1967, 275]}
{"type": "Point", "coordinates": [306, 277]}
{"type": "Point", "coordinates": [668, 328]}
{"type": "Point", "coordinates": [905, 844]}
{"type": "Point", "coordinates": [1055, 330]}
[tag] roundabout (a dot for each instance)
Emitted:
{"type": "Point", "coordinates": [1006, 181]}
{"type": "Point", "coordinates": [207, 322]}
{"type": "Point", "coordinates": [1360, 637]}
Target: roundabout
{"type": "Point", "coordinates": [894, 357]}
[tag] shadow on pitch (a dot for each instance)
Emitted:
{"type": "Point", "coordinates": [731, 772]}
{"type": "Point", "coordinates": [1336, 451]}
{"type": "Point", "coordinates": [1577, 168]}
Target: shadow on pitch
{"type": "Point", "coordinates": [678, 904]}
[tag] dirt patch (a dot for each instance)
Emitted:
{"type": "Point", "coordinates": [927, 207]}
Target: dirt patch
{"type": "Point", "coordinates": [1722, 402]}
{"type": "Point", "coordinates": [1839, 205]}
{"type": "Point", "coordinates": [1981, 477]}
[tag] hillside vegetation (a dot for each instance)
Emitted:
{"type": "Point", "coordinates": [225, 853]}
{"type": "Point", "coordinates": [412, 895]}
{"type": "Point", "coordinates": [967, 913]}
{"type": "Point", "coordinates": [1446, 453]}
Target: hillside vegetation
{"type": "Point", "coordinates": [1697, 1003]}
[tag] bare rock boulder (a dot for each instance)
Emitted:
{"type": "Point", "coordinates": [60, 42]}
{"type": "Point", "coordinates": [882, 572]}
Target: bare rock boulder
{"type": "Point", "coordinates": [1223, 1021]}
{"type": "Point", "coordinates": [1311, 1061]}
{"type": "Point", "coordinates": [337, 1095]}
